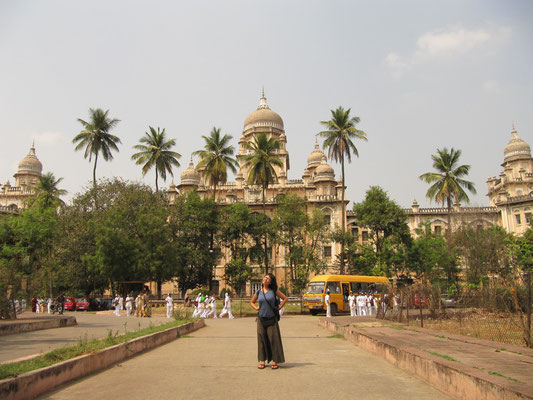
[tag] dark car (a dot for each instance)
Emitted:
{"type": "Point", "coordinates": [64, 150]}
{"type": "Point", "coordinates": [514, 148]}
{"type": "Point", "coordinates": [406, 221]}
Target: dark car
{"type": "Point", "coordinates": [82, 305]}
{"type": "Point", "coordinates": [70, 303]}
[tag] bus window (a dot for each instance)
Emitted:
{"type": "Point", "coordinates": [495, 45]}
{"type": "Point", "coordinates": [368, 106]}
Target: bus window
{"type": "Point", "coordinates": [353, 287]}
{"type": "Point", "coordinates": [315, 288]}
{"type": "Point", "coordinates": [334, 287]}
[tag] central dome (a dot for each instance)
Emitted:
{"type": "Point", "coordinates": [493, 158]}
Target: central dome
{"type": "Point", "coordinates": [263, 117]}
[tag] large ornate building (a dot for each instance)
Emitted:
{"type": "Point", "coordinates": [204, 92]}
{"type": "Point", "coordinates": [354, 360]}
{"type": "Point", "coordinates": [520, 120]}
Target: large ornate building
{"type": "Point", "coordinates": [13, 198]}
{"type": "Point", "coordinates": [318, 185]}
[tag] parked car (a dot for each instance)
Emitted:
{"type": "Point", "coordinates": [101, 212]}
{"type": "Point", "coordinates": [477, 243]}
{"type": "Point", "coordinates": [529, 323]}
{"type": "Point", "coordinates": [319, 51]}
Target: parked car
{"type": "Point", "coordinates": [447, 300]}
{"type": "Point", "coordinates": [82, 304]}
{"type": "Point", "coordinates": [70, 304]}
{"type": "Point", "coordinates": [419, 299]}
{"type": "Point", "coordinates": [105, 304]}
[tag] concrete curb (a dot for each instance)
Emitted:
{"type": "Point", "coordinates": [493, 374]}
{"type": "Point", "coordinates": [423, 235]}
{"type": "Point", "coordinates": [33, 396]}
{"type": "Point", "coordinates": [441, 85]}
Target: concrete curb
{"type": "Point", "coordinates": [19, 326]}
{"type": "Point", "coordinates": [34, 383]}
{"type": "Point", "coordinates": [456, 381]}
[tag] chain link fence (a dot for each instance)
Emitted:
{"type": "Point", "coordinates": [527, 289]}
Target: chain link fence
{"type": "Point", "coordinates": [499, 310]}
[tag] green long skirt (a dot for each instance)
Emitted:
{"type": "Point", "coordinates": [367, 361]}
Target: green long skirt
{"type": "Point", "coordinates": [269, 346]}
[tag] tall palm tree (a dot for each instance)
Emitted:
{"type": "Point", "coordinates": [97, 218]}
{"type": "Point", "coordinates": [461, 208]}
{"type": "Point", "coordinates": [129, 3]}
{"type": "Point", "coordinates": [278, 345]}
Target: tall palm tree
{"type": "Point", "coordinates": [156, 153]}
{"type": "Point", "coordinates": [338, 139]}
{"type": "Point", "coordinates": [447, 183]}
{"type": "Point", "coordinates": [95, 137]}
{"type": "Point", "coordinates": [48, 192]}
{"type": "Point", "coordinates": [216, 158]}
{"type": "Point", "coordinates": [260, 162]}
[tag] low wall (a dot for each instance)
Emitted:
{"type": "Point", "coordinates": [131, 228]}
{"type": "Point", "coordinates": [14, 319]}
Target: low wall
{"type": "Point", "coordinates": [19, 326]}
{"type": "Point", "coordinates": [457, 381]}
{"type": "Point", "coordinates": [31, 384]}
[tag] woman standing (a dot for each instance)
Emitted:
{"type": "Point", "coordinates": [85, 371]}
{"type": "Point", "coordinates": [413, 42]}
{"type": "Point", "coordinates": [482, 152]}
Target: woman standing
{"type": "Point", "coordinates": [269, 343]}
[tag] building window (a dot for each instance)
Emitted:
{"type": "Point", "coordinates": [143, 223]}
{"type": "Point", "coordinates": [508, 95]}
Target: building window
{"type": "Point", "coordinates": [327, 251]}
{"type": "Point", "coordinates": [437, 229]}
{"type": "Point", "coordinates": [365, 236]}
{"type": "Point", "coordinates": [327, 219]}
{"type": "Point", "coordinates": [355, 233]}
{"type": "Point", "coordinates": [518, 219]}
{"type": "Point", "coordinates": [528, 218]}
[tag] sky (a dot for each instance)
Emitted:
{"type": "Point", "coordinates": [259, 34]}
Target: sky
{"type": "Point", "coordinates": [420, 75]}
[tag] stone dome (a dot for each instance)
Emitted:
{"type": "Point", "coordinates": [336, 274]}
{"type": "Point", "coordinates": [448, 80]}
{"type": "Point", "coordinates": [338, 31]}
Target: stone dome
{"type": "Point", "coordinates": [316, 156]}
{"type": "Point", "coordinates": [516, 149]}
{"type": "Point", "coordinates": [30, 163]}
{"type": "Point", "coordinates": [190, 176]}
{"type": "Point", "coordinates": [324, 172]}
{"type": "Point", "coordinates": [263, 117]}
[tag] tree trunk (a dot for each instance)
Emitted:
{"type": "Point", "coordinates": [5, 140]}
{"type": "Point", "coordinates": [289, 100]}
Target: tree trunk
{"type": "Point", "coordinates": [266, 236]}
{"type": "Point", "coordinates": [449, 229]}
{"type": "Point", "coordinates": [343, 217]}
{"type": "Point", "coordinates": [156, 185]}
{"type": "Point", "coordinates": [94, 180]}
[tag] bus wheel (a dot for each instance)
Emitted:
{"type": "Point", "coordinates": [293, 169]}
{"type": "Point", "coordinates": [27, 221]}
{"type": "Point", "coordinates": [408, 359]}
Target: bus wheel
{"type": "Point", "coordinates": [313, 312]}
{"type": "Point", "coordinates": [333, 309]}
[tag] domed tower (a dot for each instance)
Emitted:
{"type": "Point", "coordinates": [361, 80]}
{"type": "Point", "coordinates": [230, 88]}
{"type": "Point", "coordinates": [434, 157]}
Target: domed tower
{"type": "Point", "coordinates": [264, 120]}
{"type": "Point", "coordinates": [29, 170]}
{"type": "Point", "coordinates": [190, 179]}
{"type": "Point", "coordinates": [324, 179]}
{"type": "Point", "coordinates": [313, 160]}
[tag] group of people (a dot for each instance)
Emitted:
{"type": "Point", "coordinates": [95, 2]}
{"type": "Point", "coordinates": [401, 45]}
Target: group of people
{"type": "Point", "coordinates": [364, 304]}
{"type": "Point", "coordinates": [206, 307]}
{"type": "Point", "coordinates": [141, 305]}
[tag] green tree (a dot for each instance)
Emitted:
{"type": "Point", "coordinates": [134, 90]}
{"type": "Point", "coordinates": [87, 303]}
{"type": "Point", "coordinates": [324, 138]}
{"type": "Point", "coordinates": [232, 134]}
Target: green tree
{"type": "Point", "coordinates": [338, 139]}
{"type": "Point", "coordinates": [95, 137]}
{"type": "Point", "coordinates": [48, 192]}
{"type": "Point", "coordinates": [154, 152]}
{"type": "Point", "coordinates": [382, 216]}
{"type": "Point", "coordinates": [25, 243]}
{"type": "Point", "coordinates": [447, 184]}
{"type": "Point", "coordinates": [216, 158]}
{"type": "Point", "coordinates": [260, 161]}
{"type": "Point", "coordinates": [193, 221]}
{"type": "Point", "coordinates": [290, 223]}
{"type": "Point", "coordinates": [237, 273]}
{"type": "Point", "coordinates": [235, 230]}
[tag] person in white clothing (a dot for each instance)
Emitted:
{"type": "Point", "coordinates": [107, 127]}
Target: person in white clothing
{"type": "Point", "coordinates": [361, 308]}
{"type": "Point", "coordinates": [120, 305]}
{"type": "Point", "coordinates": [38, 308]}
{"type": "Point", "coordinates": [170, 304]}
{"type": "Point", "coordinates": [328, 304]}
{"type": "Point", "coordinates": [212, 307]}
{"type": "Point", "coordinates": [227, 307]}
{"type": "Point", "coordinates": [368, 300]}
{"type": "Point", "coordinates": [115, 303]}
{"type": "Point", "coordinates": [196, 312]}
{"type": "Point", "coordinates": [129, 304]}
{"type": "Point", "coordinates": [203, 306]}
{"type": "Point", "coordinates": [351, 302]}
{"type": "Point", "coordinates": [49, 304]}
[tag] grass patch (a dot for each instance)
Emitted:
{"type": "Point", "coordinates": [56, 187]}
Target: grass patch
{"type": "Point", "coordinates": [84, 346]}
{"type": "Point", "coordinates": [503, 376]}
{"type": "Point", "coordinates": [479, 368]}
{"type": "Point", "coordinates": [440, 336]}
{"type": "Point", "coordinates": [336, 336]}
{"type": "Point", "coordinates": [442, 356]}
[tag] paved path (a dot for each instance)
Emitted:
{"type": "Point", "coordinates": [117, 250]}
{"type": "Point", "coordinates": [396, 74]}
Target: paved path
{"type": "Point", "coordinates": [89, 326]}
{"type": "Point", "coordinates": [219, 361]}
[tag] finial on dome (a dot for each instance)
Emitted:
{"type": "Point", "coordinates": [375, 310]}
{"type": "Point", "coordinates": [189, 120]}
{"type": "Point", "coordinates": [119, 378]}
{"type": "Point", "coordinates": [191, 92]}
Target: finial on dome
{"type": "Point", "coordinates": [263, 103]}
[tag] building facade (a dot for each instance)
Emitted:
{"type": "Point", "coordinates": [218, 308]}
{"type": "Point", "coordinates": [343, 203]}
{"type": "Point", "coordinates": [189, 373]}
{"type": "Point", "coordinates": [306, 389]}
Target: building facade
{"type": "Point", "coordinates": [14, 198]}
{"type": "Point", "coordinates": [318, 186]}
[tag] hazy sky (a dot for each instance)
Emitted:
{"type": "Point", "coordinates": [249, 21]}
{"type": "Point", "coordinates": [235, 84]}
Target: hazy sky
{"type": "Point", "coordinates": [421, 75]}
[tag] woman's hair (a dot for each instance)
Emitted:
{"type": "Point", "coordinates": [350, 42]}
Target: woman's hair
{"type": "Point", "coordinates": [273, 283]}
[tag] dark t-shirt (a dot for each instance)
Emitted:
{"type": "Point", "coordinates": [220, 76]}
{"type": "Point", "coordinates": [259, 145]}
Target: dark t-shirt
{"type": "Point", "coordinates": [266, 311]}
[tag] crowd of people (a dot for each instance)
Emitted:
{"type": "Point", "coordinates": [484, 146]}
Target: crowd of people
{"type": "Point", "coordinates": [206, 307]}
{"type": "Point", "coordinates": [140, 305]}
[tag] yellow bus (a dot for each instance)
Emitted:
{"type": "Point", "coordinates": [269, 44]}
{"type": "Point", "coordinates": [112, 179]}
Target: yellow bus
{"type": "Point", "coordinates": [340, 287]}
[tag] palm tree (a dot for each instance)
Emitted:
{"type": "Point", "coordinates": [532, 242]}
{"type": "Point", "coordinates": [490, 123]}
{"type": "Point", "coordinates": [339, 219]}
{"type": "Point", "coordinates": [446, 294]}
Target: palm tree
{"type": "Point", "coordinates": [339, 135]}
{"type": "Point", "coordinates": [95, 137]}
{"type": "Point", "coordinates": [47, 190]}
{"type": "Point", "coordinates": [156, 153]}
{"type": "Point", "coordinates": [260, 162]}
{"type": "Point", "coordinates": [216, 158]}
{"type": "Point", "coordinates": [447, 185]}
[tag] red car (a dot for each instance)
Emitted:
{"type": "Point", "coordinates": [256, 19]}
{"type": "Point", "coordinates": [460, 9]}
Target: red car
{"type": "Point", "coordinates": [420, 299]}
{"type": "Point", "coordinates": [82, 304]}
{"type": "Point", "coordinates": [70, 303]}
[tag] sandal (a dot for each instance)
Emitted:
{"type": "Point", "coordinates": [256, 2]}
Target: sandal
{"type": "Point", "coordinates": [261, 366]}
{"type": "Point", "coordinates": [275, 366]}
